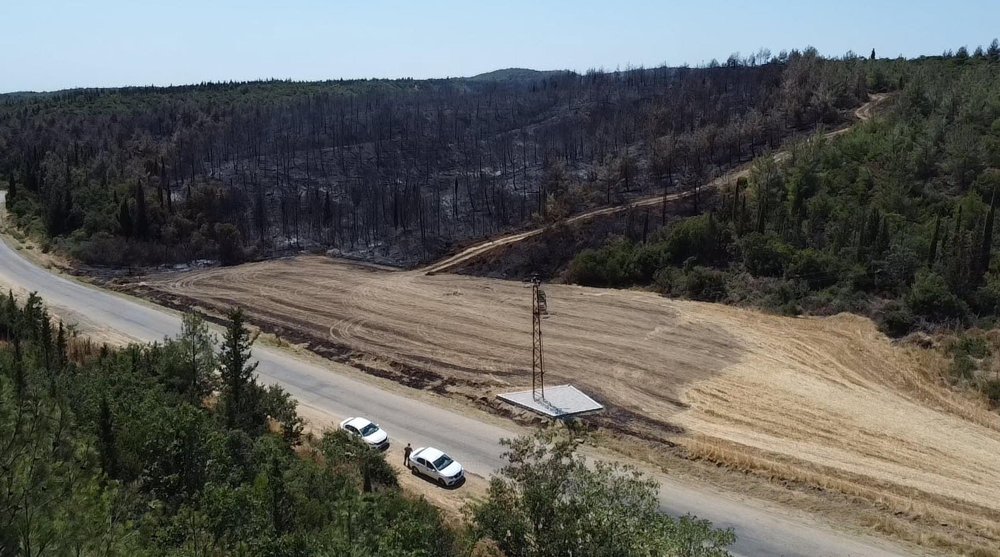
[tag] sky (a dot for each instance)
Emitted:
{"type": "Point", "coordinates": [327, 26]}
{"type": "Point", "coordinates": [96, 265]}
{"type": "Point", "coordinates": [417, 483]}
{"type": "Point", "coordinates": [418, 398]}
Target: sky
{"type": "Point", "coordinates": [56, 44]}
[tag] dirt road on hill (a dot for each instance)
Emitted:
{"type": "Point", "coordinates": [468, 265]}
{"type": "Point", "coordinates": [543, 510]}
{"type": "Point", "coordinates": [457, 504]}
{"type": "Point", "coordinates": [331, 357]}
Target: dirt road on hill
{"type": "Point", "coordinates": [862, 114]}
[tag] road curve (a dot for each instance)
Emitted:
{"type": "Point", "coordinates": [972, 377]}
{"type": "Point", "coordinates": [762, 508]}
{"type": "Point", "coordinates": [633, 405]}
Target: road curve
{"type": "Point", "coordinates": [760, 531]}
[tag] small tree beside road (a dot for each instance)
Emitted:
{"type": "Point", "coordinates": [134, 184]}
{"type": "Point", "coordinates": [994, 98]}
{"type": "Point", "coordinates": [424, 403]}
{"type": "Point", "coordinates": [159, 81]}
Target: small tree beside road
{"type": "Point", "coordinates": [548, 501]}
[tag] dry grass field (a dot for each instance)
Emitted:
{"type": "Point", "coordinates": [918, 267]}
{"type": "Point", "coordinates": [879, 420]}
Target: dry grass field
{"type": "Point", "coordinates": [824, 402]}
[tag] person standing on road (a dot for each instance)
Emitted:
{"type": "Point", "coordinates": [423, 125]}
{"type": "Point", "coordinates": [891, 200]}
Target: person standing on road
{"type": "Point", "coordinates": [406, 455]}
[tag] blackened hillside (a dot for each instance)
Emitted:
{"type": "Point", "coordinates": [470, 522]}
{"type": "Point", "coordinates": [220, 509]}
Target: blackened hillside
{"type": "Point", "coordinates": [398, 170]}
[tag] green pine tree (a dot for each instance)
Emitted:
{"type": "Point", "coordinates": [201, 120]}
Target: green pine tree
{"type": "Point", "coordinates": [986, 248]}
{"type": "Point", "coordinates": [238, 382]}
{"type": "Point", "coordinates": [124, 219]}
{"type": "Point", "coordinates": [106, 438]}
{"type": "Point", "coordinates": [934, 243]}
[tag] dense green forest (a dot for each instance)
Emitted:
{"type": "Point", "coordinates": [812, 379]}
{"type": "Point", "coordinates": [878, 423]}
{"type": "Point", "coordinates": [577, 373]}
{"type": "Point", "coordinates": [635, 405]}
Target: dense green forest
{"type": "Point", "coordinates": [175, 449]}
{"type": "Point", "coordinates": [894, 219]}
{"type": "Point", "coordinates": [394, 170]}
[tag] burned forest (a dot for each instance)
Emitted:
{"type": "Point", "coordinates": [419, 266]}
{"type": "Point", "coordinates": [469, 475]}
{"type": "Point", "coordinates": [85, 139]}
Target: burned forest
{"type": "Point", "coordinates": [394, 171]}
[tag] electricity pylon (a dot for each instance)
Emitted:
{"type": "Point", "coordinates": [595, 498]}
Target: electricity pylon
{"type": "Point", "coordinates": [538, 308]}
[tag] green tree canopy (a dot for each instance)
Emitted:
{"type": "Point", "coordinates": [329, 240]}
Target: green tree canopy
{"type": "Point", "coordinates": [548, 501]}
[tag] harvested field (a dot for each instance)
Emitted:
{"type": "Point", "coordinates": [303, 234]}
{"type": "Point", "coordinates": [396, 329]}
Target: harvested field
{"type": "Point", "coordinates": [473, 336]}
{"type": "Point", "coordinates": [823, 402]}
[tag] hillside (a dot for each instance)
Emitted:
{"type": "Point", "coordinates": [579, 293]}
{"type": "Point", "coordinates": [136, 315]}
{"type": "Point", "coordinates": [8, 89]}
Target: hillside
{"type": "Point", "coordinates": [893, 218]}
{"type": "Point", "coordinates": [517, 74]}
{"type": "Point", "coordinates": [397, 171]}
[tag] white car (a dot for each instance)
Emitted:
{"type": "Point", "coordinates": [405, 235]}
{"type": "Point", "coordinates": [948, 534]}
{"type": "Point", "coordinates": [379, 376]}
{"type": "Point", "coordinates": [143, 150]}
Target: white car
{"type": "Point", "coordinates": [368, 431]}
{"type": "Point", "coordinates": [435, 465]}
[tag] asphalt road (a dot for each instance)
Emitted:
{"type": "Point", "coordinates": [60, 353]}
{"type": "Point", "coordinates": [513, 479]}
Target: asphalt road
{"type": "Point", "coordinates": [759, 530]}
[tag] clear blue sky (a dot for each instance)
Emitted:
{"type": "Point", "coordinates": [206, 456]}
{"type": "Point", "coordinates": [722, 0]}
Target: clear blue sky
{"type": "Point", "coordinates": [55, 44]}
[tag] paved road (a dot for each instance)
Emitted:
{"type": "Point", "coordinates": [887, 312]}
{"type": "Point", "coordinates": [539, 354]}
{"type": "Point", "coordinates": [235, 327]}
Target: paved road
{"type": "Point", "coordinates": [474, 443]}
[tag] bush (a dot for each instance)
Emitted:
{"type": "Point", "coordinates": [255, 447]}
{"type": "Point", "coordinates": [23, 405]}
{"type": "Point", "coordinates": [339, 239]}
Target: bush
{"type": "Point", "coordinates": [699, 238]}
{"type": "Point", "coordinates": [972, 345]}
{"type": "Point", "coordinates": [986, 298]}
{"type": "Point", "coordinates": [963, 368]}
{"type": "Point", "coordinates": [765, 255]}
{"type": "Point", "coordinates": [667, 279]}
{"type": "Point", "coordinates": [991, 388]}
{"type": "Point", "coordinates": [587, 268]}
{"type": "Point", "coordinates": [648, 259]}
{"type": "Point", "coordinates": [816, 268]}
{"type": "Point", "coordinates": [896, 319]}
{"type": "Point", "coordinates": [897, 270]}
{"type": "Point", "coordinates": [230, 244]}
{"type": "Point", "coordinates": [613, 265]}
{"type": "Point", "coordinates": [931, 297]}
{"type": "Point", "coordinates": [704, 284]}
{"type": "Point", "coordinates": [547, 481]}
{"type": "Point", "coordinates": [782, 296]}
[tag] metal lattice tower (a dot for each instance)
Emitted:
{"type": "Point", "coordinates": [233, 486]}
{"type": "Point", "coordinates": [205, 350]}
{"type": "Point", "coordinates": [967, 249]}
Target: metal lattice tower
{"type": "Point", "coordinates": [538, 308]}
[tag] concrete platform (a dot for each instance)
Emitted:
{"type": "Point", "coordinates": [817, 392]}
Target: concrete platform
{"type": "Point", "coordinates": [561, 401]}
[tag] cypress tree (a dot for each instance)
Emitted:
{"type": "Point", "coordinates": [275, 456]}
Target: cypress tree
{"type": "Point", "coordinates": [11, 189]}
{"type": "Point", "coordinates": [141, 220]}
{"type": "Point", "coordinates": [932, 256]}
{"type": "Point", "coordinates": [12, 314]}
{"type": "Point", "coordinates": [162, 185]}
{"type": "Point", "coordinates": [67, 211]}
{"type": "Point", "coordinates": [327, 210]}
{"type": "Point", "coordinates": [761, 214]}
{"type": "Point", "coordinates": [106, 438]}
{"type": "Point", "coordinates": [862, 226]}
{"type": "Point", "coordinates": [19, 380]}
{"type": "Point", "coordinates": [45, 339]}
{"type": "Point", "coordinates": [124, 219]}
{"type": "Point", "coordinates": [237, 372]}
{"type": "Point", "coordinates": [743, 215]}
{"type": "Point", "coordinates": [260, 214]}
{"type": "Point", "coordinates": [736, 203]}
{"type": "Point", "coordinates": [986, 248]}
{"type": "Point", "coordinates": [882, 240]}
{"type": "Point", "coordinates": [62, 355]}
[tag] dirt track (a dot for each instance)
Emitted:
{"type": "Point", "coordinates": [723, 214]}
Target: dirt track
{"type": "Point", "coordinates": [827, 402]}
{"type": "Point", "coordinates": [863, 113]}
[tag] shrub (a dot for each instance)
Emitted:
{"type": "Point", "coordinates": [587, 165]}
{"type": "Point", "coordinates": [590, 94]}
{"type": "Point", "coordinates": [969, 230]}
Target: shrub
{"type": "Point", "coordinates": [667, 279]}
{"type": "Point", "coordinates": [899, 267]}
{"type": "Point", "coordinates": [699, 238]}
{"type": "Point", "coordinates": [963, 368]}
{"type": "Point", "coordinates": [816, 268]}
{"type": "Point", "coordinates": [972, 345]}
{"type": "Point", "coordinates": [896, 319]}
{"type": "Point", "coordinates": [612, 265]}
{"type": "Point", "coordinates": [782, 296]}
{"type": "Point", "coordinates": [991, 388]}
{"type": "Point", "coordinates": [931, 297]}
{"type": "Point", "coordinates": [986, 298]}
{"type": "Point", "coordinates": [587, 268]}
{"type": "Point", "coordinates": [764, 255]}
{"type": "Point", "coordinates": [648, 259]}
{"type": "Point", "coordinates": [702, 283]}
{"type": "Point", "coordinates": [230, 244]}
